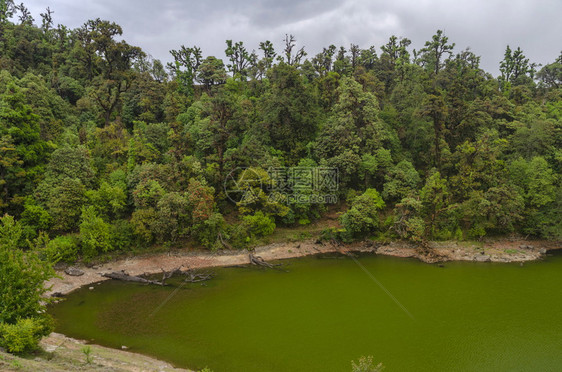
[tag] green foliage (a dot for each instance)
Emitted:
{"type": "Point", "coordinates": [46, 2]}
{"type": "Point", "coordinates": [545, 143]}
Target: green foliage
{"type": "Point", "coordinates": [24, 335]}
{"type": "Point", "coordinates": [22, 308]}
{"type": "Point", "coordinates": [366, 364]}
{"type": "Point", "coordinates": [22, 273]}
{"type": "Point", "coordinates": [409, 223]}
{"type": "Point", "coordinates": [95, 138]}
{"type": "Point", "coordinates": [207, 232]}
{"type": "Point", "coordinates": [87, 351]}
{"type": "Point", "coordinates": [148, 193]}
{"type": "Point", "coordinates": [259, 224]}
{"type": "Point", "coordinates": [363, 217]}
{"type": "Point", "coordinates": [95, 234]}
{"type": "Point", "coordinates": [400, 181]}
{"type": "Point", "coordinates": [61, 248]}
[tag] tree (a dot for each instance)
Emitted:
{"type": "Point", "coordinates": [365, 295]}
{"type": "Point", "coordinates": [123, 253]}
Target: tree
{"type": "Point", "coordinates": [266, 62]}
{"type": "Point", "coordinates": [240, 59]}
{"type": "Point", "coordinates": [515, 67]}
{"type": "Point", "coordinates": [23, 320]}
{"type": "Point", "coordinates": [400, 181]}
{"type": "Point", "coordinates": [291, 58]}
{"type": "Point", "coordinates": [433, 54]}
{"type": "Point", "coordinates": [362, 218]}
{"type": "Point", "coordinates": [172, 217]}
{"type": "Point", "coordinates": [95, 233]}
{"type": "Point", "coordinates": [108, 63]}
{"type": "Point", "coordinates": [25, 16]}
{"type": "Point", "coordinates": [396, 50]}
{"type": "Point", "coordinates": [211, 73]}
{"type": "Point", "coordinates": [47, 20]}
{"type": "Point", "coordinates": [435, 201]}
{"type": "Point", "coordinates": [435, 108]}
{"type": "Point", "coordinates": [551, 74]}
{"type": "Point", "coordinates": [22, 152]}
{"type": "Point", "coordinates": [185, 67]}
{"type": "Point", "coordinates": [289, 111]}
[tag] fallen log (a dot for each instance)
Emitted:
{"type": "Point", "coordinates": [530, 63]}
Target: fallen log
{"type": "Point", "coordinates": [223, 242]}
{"type": "Point", "coordinates": [122, 275]}
{"type": "Point", "coordinates": [168, 274]}
{"type": "Point", "coordinates": [258, 261]}
{"type": "Point", "coordinates": [192, 276]}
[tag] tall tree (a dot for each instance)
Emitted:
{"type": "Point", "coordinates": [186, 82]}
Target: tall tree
{"type": "Point", "coordinates": [435, 52]}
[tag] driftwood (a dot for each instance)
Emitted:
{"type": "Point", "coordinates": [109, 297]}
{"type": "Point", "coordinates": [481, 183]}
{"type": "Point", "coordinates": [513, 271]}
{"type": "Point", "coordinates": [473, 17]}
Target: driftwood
{"type": "Point", "coordinates": [168, 274]}
{"type": "Point", "coordinates": [122, 275]}
{"type": "Point", "coordinates": [191, 276]}
{"type": "Point", "coordinates": [258, 261]}
{"type": "Point", "coordinates": [223, 242]}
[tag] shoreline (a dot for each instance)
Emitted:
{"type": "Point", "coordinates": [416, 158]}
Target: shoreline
{"type": "Point", "coordinates": [505, 251]}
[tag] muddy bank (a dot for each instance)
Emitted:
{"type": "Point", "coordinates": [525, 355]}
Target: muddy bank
{"type": "Point", "coordinates": [492, 251]}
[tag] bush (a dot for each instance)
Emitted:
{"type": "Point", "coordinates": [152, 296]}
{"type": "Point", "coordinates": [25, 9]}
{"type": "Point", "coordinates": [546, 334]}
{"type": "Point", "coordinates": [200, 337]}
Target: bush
{"type": "Point", "coordinates": [22, 276]}
{"type": "Point", "coordinates": [122, 235]}
{"type": "Point", "coordinates": [208, 231]}
{"type": "Point", "coordinates": [24, 335]}
{"type": "Point", "coordinates": [363, 217]}
{"type": "Point", "coordinates": [259, 224]}
{"type": "Point", "coordinates": [95, 234]}
{"type": "Point", "coordinates": [61, 248]}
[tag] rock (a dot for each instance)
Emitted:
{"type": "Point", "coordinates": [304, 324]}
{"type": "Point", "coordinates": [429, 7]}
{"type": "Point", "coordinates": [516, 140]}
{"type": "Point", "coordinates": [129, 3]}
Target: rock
{"type": "Point", "coordinates": [60, 266]}
{"type": "Point", "coordinates": [57, 294]}
{"type": "Point", "coordinates": [91, 288]}
{"type": "Point", "coordinates": [482, 258]}
{"type": "Point", "coordinates": [123, 347]}
{"type": "Point", "coordinates": [542, 251]}
{"type": "Point", "coordinates": [73, 271]}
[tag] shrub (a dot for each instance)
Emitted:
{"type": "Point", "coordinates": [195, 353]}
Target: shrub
{"type": "Point", "coordinates": [259, 224]}
{"type": "Point", "coordinates": [362, 218]}
{"type": "Point", "coordinates": [61, 248]}
{"type": "Point", "coordinates": [95, 233]}
{"type": "Point", "coordinates": [122, 235]}
{"type": "Point", "coordinates": [208, 231]}
{"type": "Point", "coordinates": [24, 335]}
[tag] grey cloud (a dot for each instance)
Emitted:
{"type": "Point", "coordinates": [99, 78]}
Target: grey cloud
{"type": "Point", "coordinates": [485, 26]}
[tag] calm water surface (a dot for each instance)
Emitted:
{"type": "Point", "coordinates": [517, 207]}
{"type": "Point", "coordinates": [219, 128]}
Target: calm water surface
{"type": "Point", "coordinates": [325, 312]}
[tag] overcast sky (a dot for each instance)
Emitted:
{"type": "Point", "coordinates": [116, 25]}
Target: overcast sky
{"type": "Point", "coordinates": [486, 26]}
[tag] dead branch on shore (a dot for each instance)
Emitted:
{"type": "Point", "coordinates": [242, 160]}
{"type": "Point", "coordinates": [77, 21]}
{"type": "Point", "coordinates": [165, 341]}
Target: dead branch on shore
{"type": "Point", "coordinates": [168, 274]}
{"type": "Point", "coordinates": [122, 275]}
{"type": "Point", "coordinates": [223, 242]}
{"type": "Point", "coordinates": [258, 261]}
{"type": "Point", "coordinates": [191, 276]}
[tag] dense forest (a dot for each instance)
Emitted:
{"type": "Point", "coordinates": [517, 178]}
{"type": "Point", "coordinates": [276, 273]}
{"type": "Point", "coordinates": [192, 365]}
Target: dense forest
{"type": "Point", "coordinates": [105, 149]}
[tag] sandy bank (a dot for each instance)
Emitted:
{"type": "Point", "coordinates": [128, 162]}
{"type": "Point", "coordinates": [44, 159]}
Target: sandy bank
{"type": "Point", "coordinates": [493, 251]}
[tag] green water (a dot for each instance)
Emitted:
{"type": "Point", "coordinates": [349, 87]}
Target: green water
{"type": "Point", "coordinates": [323, 313]}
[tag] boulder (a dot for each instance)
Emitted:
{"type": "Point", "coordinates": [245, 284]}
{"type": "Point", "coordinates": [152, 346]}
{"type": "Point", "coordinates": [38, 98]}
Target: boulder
{"type": "Point", "coordinates": [73, 271]}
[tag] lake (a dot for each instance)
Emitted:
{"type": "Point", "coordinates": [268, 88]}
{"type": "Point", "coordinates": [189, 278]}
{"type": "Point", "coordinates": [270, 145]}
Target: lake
{"type": "Point", "coordinates": [322, 312]}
